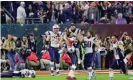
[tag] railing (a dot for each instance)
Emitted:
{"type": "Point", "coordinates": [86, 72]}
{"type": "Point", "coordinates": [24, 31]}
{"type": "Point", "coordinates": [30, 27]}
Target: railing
{"type": "Point", "coordinates": [9, 15]}
{"type": "Point", "coordinates": [33, 20]}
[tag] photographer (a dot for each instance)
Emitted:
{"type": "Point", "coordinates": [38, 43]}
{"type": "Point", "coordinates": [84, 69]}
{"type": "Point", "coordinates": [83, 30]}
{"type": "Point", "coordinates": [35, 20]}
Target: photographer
{"type": "Point", "coordinates": [9, 46]}
{"type": "Point", "coordinates": [109, 56]}
{"type": "Point", "coordinates": [19, 47]}
{"type": "Point", "coordinates": [128, 45]}
{"type": "Point", "coordinates": [2, 50]}
{"type": "Point", "coordinates": [32, 59]}
{"type": "Point", "coordinates": [25, 52]}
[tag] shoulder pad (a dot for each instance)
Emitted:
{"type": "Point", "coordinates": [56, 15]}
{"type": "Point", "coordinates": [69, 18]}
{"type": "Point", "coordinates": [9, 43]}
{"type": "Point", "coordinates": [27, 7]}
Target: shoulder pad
{"type": "Point", "coordinates": [48, 32]}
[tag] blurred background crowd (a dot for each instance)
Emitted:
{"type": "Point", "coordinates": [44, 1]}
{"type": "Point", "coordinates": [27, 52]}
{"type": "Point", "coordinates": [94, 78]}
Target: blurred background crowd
{"type": "Point", "coordinates": [84, 12]}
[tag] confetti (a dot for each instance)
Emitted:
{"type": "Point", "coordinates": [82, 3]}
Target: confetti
{"type": "Point", "coordinates": [36, 29]}
{"type": "Point", "coordinates": [21, 25]}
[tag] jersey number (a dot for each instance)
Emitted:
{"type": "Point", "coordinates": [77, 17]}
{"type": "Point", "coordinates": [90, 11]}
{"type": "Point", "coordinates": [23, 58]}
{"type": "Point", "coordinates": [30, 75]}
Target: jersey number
{"type": "Point", "coordinates": [89, 43]}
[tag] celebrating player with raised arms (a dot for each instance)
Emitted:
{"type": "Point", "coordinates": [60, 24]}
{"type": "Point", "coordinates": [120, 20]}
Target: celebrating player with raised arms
{"type": "Point", "coordinates": [90, 45]}
{"type": "Point", "coordinates": [75, 31]}
{"type": "Point", "coordinates": [120, 61]}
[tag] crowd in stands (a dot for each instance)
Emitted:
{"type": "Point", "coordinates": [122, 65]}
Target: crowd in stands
{"type": "Point", "coordinates": [84, 12]}
{"type": "Point", "coordinates": [25, 52]}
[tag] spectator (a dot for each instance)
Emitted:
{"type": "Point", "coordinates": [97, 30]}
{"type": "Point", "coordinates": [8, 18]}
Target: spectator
{"type": "Point", "coordinates": [61, 17]}
{"type": "Point", "coordinates": [30, 14]}
{"type": "Point", "coordinates": [21, 14]}
{"type": "Point", "coordinates": [104, 6]}
{"type": "Point", "coordinates": [127, 9]}
{"type": "Point", "coordinates": [93, 13]}
{"type": "Point", "coordinates": [43, 15]}
{"type": "Point", "coordinates": [104, 20]}
{"type": "Point", "coordinates": [131, 18]}
{"type": "Point", "coordinates": [68, 12]}
{"type": "Point", "coordinates": [112, 20]}
{"type": "Point", "coordinates": [84, 20]}
{"type": "Point", "coordinates": [117, 8]}
{"type": "Point", "coordinates": [45, 60]}
{"type": "Point", "coordinates": [56, 11]}
{"type": "Point", "coordinates": [120, 19]}
{"type": "Point", "coordinates": [49, 11]}
{"type": "Point", "coordinates": [84, 8]}
{"type": "Point", "coordinates": [76, 15]}
{"type": "Point", "coordinates": [128, 18]}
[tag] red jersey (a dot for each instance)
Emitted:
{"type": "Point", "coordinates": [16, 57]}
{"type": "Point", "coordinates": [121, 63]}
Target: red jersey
{"type": "Point", "coordinates": [46, 55]}
{"type": "Point", "coordinates": [66, 57]}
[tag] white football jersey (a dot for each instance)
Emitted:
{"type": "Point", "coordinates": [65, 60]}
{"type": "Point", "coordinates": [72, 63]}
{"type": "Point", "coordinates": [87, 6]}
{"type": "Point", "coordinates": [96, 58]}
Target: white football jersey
{"type": "Point", "coordinates": [54, 42]}
{"type": "Point", "coordinates": [76, 31]}
{"type": "Point", "coordinates": [89, 44]}
{"type": "Point", "coordinates": [115, 46]}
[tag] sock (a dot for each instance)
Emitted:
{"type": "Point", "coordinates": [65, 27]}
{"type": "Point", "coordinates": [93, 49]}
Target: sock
{"type": "Point", "coordinates": [78, 55]}
{"type": "Point", "coordinates": [130, 73]}
{"type": "Point", "coordinates": [90, 72]}
{"type": "Point", "coordinates": [52, 66]}
{"type": "Point", "coordinates": [72, 73]}
{"type": "Point", "coordinates": [57, 67]}
{"type": "Point", "coordinates": [111, 75]}
{"type": "Point", "coordinates": [94, 74]}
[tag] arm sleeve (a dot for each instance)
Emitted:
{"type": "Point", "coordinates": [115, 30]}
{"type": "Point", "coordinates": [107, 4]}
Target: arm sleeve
{"type": "Point", "coordinates": [4, 45]}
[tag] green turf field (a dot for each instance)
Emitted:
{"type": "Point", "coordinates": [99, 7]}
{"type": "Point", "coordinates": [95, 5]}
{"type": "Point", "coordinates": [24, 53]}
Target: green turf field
{"type": "Point", "coordinates": [79, 77]}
